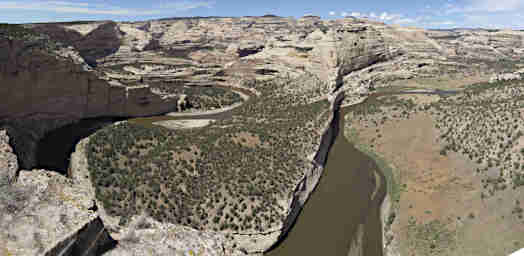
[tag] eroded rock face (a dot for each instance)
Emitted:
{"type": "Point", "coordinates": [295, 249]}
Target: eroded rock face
{"type": "Point", "coordinates": [97, 42]}
{"type": "Point", "coordinates": [43, 212]}
{"type": "Point", "coordinates": [145, 233]}
{"type": "Point", "coordinates": [51, 85]}
{"type": "Point", "coordinates": [45, 86]}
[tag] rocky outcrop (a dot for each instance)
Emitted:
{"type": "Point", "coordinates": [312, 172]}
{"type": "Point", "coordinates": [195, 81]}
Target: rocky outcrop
{"type": "Point", "coordinates": [44, 213]}
{"type": "Point", "coordinates": [8, 160]}
{"type": "Point", "coordinates": [144, 236]}
{"type": "Point", "coordinates": [507, 76]}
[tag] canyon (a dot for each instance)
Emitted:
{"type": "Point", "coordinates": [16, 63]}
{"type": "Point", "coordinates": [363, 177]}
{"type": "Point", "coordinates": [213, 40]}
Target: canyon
{"type": "Point", "coordinates": [57, 74]}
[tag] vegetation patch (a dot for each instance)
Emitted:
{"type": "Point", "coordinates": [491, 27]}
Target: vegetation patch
{"type": "Point", "coordinates": [230, 175]}
{"type": "Point", "coordinates": [431, 238]}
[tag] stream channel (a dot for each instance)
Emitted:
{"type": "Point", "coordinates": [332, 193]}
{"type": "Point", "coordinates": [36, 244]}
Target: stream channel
{"type": "Point", "coordinates": [341, 217]}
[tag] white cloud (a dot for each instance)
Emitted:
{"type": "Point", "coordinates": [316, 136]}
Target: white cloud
{"type": "Point", "coordinates": [489, 6]}
{"type": "Point", "coordinates": [387, 17]}
{"type": "Point", "coordinates": [384, 16]}
{"type": "Point", "coordinates": [442, 23]}
{"type": "Point", "coordinates": [404, 21]}
{"type": "Point", "coordinates": [86, 8]}
{"type": "Point", "coordinates": [494, 5]}
{"type": "Point", "coordinates": [478, 13]}
{"type": "Point", "coordinates": [332, 13]}
{"type": "Point", "coordinates": [344, 14]}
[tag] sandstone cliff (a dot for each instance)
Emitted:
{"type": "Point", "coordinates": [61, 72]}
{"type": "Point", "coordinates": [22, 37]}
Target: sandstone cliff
{"type": "Point", "coordinates": [45, 86]}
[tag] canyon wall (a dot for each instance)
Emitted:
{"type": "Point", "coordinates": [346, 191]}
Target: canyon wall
{"type": "Point", "coordinates": [45, 87]}
{"type": "Point", "coordinates": [55, 85]}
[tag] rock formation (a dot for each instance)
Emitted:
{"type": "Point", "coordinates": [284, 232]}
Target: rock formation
{"type": "Point", "coordinates": [43, 212]}
{"type": "Point", "coordinates": [507, 76]}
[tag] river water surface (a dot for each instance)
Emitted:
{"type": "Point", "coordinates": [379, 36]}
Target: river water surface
{"type": "Point", "coordinates": [342, 201]}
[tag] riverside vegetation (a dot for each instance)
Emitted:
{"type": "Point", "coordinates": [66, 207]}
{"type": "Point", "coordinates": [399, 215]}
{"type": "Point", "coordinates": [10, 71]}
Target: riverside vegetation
{"type": "Point", "coordinates": [230, 176]}
{"type": "Point", "coordinates": [471, 141]}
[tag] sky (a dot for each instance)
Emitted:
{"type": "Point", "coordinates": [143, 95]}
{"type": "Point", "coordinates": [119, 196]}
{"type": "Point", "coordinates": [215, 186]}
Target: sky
{"type": "Point", "coordinates": [420, 13]}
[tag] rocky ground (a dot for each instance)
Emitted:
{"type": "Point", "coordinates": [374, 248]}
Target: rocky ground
{"type": "Point", "coordinates": [60, 73]}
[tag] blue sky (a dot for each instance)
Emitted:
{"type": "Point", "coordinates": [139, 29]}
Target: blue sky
{"type": "Point", "coordinates": [421, 13]}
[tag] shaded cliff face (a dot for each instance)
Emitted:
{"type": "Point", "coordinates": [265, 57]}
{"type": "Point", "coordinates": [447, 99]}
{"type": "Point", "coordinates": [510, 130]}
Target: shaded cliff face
{"type": "Point", "coordinates": [102, 41]}
{"type": "Point", "coordinates": [36, 81]}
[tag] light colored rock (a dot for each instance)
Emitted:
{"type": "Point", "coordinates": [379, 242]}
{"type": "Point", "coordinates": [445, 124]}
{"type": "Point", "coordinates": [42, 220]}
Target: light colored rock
{"type": "Point", "coordinates": [185, 124]}
{"type": "Point", "coordinates": [48, 211]}
{"type": "Point", "coordinates": [45, 213]}
{"type": "Point", "coordinates": [507, 76]}
{"type": "Point", "coordinates": [518, 253]}
{"type": "Point", "coordinates": [8, 160]}
{"type": "Point", "coordinates": [84, 29]}
{"type": "Point", "coordinates": [149, 237]}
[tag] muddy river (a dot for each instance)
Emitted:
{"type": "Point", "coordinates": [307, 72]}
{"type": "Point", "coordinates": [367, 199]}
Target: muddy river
{"type": "Point", "coordinates": [342, 201]}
